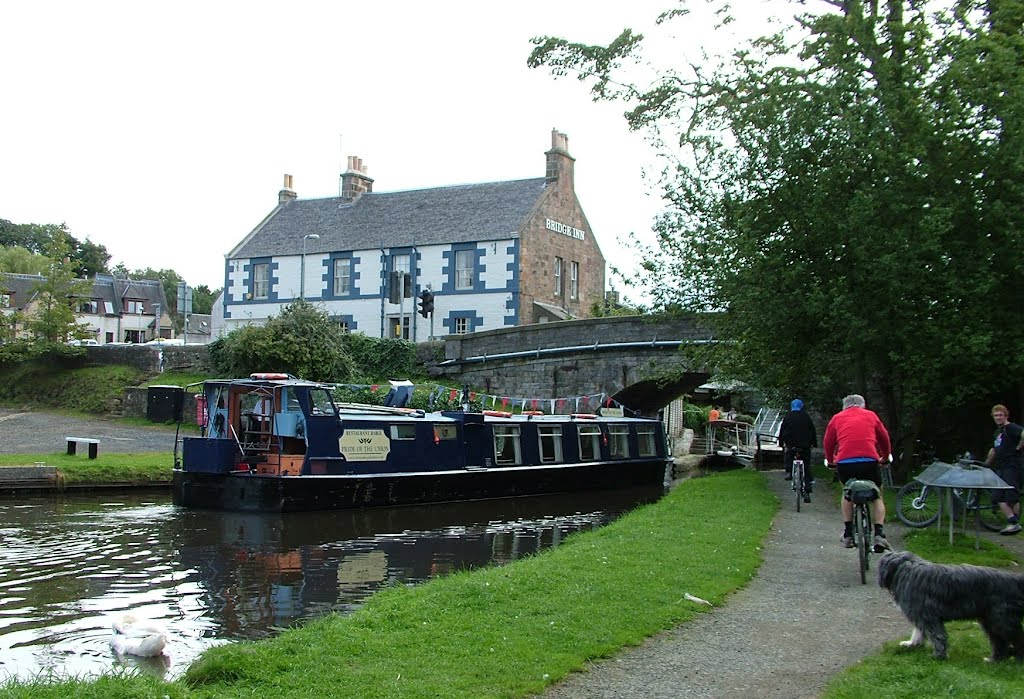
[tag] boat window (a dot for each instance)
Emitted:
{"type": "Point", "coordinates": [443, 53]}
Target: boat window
{"type": "Point", "coordinates": [645, 440]}
{"type": "Point", "coordinates": [618, 441]}
{"type": "Point", "coordinates": [550, 437]}
{"type": "Point", "coordinates": [590, 442]}
{"type": "Point", "coordinates": [321, 399]}
{"type": "Point", "coordinates": [403, 432]}
{"type": "Point", "coordinates": [506, 445]}
{"type": "Point", "coordinates": [445, 432]}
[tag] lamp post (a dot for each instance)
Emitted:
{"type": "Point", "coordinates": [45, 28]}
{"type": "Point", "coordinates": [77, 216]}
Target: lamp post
{"type": "Point", "coordinates": [302, 264]}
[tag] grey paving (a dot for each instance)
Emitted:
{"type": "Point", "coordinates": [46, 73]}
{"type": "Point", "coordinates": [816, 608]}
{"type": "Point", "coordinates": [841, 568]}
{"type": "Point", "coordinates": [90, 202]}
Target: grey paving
{"type": "Point", "coordinates": [43, 433]}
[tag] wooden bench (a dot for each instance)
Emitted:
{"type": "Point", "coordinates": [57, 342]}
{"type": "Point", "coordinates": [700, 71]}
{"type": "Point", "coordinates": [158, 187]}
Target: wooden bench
{"type": "Point", "coordinates": [94, 445]}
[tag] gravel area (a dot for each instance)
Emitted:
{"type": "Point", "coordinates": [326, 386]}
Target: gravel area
{"type": "Point", "coordinates": [45, 433]}
{"type": "Point", "coordinates": [805, 617]}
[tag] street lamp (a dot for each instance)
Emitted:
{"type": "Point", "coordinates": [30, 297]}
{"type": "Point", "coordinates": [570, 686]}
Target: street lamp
{"type": "Point", "coordinates": [302, 264]}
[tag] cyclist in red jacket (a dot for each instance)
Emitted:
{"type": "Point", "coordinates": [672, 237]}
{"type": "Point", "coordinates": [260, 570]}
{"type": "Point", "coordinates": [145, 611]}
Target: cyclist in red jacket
{"type": "Point", "coordinates": [857, 445]}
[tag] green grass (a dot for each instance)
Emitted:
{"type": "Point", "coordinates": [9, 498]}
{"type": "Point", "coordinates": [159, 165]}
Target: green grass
{"type": "Point", "coordinates": [912, 672]}
{"type": "Point", "coordinates": [175, 378]}
{"type": "Point", "coordinates": [89, 390]}
{"type": "Point", "coordinates": [143, 467]}
{"type": "Point", "coordinates": [499, 632]}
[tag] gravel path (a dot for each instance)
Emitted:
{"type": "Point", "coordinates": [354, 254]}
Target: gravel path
{"type": "Point", "coordinates": [804, 618]}
{"type": "Point", "coordinates": [45, 433]}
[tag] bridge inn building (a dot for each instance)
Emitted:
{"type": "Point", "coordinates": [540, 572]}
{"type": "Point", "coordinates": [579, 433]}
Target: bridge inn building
{"type": "Point", "coordinates": [494, 255]}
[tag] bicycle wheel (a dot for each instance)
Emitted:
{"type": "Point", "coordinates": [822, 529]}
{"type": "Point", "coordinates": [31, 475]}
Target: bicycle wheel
{"type": "Point", "coordinates": [988, 512]}
{"type": "Point", "coordinates": [798, 481]}
{"type": "Point", "coordinates": [917, 505]}
{"type": "Point", "coordinates": [864, 542]}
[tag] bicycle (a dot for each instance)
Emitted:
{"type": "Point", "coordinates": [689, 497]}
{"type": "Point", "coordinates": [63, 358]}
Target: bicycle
{"type": "Point", "coordinates": [862, 493]}
{"type": "Point", "coordinates": [799, 476]}
{"type": "Point", "coordinates": [917, 504]}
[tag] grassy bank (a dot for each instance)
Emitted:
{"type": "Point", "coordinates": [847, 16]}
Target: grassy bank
{"type": "Point", "coordinates": [498, 632]}
{"type": "Point", "coordinates": [89, 390]}
{"type": "Point", "coordinates": [145, 467]}
{"type": "Point", "coordinates": [899, 672]}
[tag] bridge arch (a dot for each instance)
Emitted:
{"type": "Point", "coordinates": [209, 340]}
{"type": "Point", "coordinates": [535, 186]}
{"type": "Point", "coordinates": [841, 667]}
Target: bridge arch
{"type": "Point", "coordinates": [622, 357]}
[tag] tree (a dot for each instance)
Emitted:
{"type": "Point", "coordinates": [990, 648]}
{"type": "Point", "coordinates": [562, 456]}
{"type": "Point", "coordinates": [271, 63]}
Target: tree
{"type": "Point", "coordinates": [19, 260]}
{"type": "Point", "coordinates": [848, 200]}
{"type": "Point", "coordinates": [203, 298]}
{"type": "Point", "coordinates": [53, 317]}
{"type": "Point", "coordinates": [301, 341]}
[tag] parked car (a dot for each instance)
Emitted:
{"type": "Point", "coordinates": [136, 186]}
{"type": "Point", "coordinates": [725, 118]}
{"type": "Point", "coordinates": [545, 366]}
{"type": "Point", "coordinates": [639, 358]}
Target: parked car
{"type": "Point", "coordinates": [88, 342]}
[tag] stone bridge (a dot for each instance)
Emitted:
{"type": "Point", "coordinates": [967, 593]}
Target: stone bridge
{"type": "Point", "coordinates": [626, 358]}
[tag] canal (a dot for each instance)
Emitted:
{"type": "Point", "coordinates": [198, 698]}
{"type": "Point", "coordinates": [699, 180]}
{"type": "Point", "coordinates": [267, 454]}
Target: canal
{"type": "Point", "coordinates": [71, 565]}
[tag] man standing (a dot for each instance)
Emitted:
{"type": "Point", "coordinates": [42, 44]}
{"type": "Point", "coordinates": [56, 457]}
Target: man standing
{"type": "Point", "coordinates": [797, 435]}
{"type": "Point", "coordinates": [1005, 459]}
{"type": "Point", "coordinates": [857, 445]}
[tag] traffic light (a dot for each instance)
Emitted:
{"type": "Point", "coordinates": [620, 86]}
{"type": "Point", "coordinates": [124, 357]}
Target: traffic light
{"type": "Point", "coordinates": [426, 303]}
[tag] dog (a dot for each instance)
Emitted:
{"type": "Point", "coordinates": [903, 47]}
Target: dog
{"type": "Point", "coordinates": [930, 594]}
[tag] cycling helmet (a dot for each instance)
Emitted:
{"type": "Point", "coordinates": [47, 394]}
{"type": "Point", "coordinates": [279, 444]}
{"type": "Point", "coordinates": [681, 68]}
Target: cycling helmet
{"type": "Point", "coordinates": [797, 404]}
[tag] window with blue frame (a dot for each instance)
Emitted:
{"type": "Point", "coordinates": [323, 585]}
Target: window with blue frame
{"type": "Point", "coordinates": [465, 269]}
{"type": "Point", "coordinates": [343, 276]}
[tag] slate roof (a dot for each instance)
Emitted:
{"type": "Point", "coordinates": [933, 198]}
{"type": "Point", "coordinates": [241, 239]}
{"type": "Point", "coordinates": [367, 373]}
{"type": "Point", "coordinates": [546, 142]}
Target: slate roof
{"type": "Point", "coordinates": [115, 289]}
{"type": "Point", "coordinates": [20, 285]}
{"type": "Point", "coordinates": [442, 215]}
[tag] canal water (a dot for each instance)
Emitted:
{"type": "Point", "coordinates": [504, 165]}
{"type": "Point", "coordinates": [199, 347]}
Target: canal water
{"type": "Point", "coordinates": [72, 565]}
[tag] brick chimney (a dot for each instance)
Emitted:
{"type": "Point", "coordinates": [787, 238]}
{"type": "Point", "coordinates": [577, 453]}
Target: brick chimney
{"type": "Point", "coordinates": [559, 162]}
{"type": "Point", "coordinates": [355, 181]}
{"type": "Point", "coordinates": [287, 194]}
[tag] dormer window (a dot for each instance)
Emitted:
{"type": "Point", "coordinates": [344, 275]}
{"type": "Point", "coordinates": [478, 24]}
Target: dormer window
{"type": "Point", "coordinates": [134, 306]}
{"type": "Point", "coordinates": [88, 306]}
{"type": "Point", "coordinates": [6, 300]}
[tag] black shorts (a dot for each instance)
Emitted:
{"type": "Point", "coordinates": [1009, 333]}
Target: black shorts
{"type": "Point", "coordinates": [1011, 474]}
{"type": "Point", "coordinates": [864, 470]}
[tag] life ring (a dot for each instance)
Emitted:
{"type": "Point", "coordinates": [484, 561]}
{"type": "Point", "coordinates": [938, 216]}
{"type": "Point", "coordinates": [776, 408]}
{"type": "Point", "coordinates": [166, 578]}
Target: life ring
{"type": "Point", "coordinates": [532, 412]}
{"type": "Point", "coordinates": [497, 413]}
{"type": "Point", "coordinates": [584, 416]}
{"type": "Point", "coordinates": [268, 377]}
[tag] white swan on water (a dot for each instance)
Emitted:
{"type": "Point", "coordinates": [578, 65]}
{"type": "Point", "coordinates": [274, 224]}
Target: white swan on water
{"type": "Point", "coordinates": [138, 637]}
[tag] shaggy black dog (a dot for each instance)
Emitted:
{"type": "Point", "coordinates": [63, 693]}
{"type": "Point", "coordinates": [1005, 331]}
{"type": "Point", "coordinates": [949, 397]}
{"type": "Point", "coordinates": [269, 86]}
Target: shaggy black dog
{"type": "Point", "coordinates": [930, 594]}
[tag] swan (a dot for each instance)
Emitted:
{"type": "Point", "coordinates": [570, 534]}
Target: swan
{"type": "Point", "coordinates": [138, 637]}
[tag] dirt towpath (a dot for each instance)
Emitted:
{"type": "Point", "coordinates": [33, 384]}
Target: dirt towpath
{"type": "Point", "coordinates": [805, 617]}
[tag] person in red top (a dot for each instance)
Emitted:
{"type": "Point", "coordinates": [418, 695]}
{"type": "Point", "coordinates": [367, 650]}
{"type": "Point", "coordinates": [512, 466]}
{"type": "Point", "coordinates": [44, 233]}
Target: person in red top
{"type": "Point", "coordinates": [857, 445]}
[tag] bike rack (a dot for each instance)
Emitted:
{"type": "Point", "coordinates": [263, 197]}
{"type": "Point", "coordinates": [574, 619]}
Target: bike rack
{"type": "Point", "coordinates": [949, 477]}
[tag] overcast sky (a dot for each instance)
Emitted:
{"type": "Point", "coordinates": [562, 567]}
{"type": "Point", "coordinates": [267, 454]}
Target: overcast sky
{"type": "Point", "coordinates": [163, 130]}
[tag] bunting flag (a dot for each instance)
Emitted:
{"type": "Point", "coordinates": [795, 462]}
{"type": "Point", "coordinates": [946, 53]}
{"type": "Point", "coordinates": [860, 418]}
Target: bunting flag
{"type": "Point", "coordinates": [504, 402]}
{"type": "Point", "coordinates": [454, 394]}
{"type": "Point", "coordinates": [373, 388]}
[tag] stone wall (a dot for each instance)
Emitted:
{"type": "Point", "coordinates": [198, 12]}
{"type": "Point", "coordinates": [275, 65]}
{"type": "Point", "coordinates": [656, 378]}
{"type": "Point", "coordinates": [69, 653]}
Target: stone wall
{"type": "Point", "coordinates": [152, 359]}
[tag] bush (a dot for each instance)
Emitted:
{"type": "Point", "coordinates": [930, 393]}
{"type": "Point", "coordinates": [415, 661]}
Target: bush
{"type": "Point", "coordinates": [380, 359]}
{"type": "Point", "coordinates": [301, 341]}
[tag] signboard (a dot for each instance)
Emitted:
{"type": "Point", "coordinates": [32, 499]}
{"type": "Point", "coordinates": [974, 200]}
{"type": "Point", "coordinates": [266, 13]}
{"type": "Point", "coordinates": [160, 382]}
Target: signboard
{"type": "Point", "coordinates": [364, 445]}
{"type": "Point", "coordinates": [611, 412]}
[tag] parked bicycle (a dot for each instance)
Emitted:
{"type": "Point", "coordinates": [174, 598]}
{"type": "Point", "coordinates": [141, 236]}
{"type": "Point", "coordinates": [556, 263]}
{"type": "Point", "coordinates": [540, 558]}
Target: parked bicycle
{"type": "Point", "coordinates": [862, 493]}
{"type": "Point", "coordinates": [917, 504]}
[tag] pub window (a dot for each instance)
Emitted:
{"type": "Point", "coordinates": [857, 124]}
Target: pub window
{"type": "Point", "coordinates": [343, 324]}
{"type": "Point", "coordinates": [506, 445]}
{"type": "Point", "coordinates": [394, 330]}
{"type": "Point", "coordinates": [590, 442]}
{"type": "Point", "coordinates": [400, 263]}
{"type": "Point", "coordinates": [618, 441]}
{"type": "Point", "coordinates": [261, 281]}
{"type": "Point", "coordinates": [343, 277]}
{"type": "Point", "coordinates": [574, 281]}
{"type": "Point", "coordinates": [464, 272]}
{"type": "Point", "coordinates": [550, 437]}
{"type": "Point", "coordinates": [461, 326]}
{"type": "Point", "coordinates": [559, 289]}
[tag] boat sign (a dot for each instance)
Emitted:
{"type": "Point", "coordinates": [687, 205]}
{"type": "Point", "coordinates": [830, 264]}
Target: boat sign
{"type": "Point", "coordinates": [364, 445]}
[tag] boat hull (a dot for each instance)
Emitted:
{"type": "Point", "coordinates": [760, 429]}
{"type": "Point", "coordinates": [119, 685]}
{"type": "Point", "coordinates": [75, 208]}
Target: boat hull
{"type": "Point", "coordinates": [259, 493]}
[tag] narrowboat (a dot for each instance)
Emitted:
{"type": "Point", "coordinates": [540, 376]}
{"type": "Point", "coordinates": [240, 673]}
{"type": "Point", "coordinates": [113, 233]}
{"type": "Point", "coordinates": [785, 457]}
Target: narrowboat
{"type": "Point", "coordinates": [274, 443]}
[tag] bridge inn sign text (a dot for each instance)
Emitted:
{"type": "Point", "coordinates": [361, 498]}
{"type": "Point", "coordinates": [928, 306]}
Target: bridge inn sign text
{"type": "Point", "coordinates": [494, 255]}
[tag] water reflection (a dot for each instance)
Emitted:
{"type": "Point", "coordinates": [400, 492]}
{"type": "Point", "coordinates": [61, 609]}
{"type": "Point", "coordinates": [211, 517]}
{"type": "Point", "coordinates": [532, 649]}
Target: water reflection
{"type": "Point", "coordinates": [69, 566]}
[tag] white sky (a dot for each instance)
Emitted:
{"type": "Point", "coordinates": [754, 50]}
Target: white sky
{"type": "Point", "coordinates": [163, 131]}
